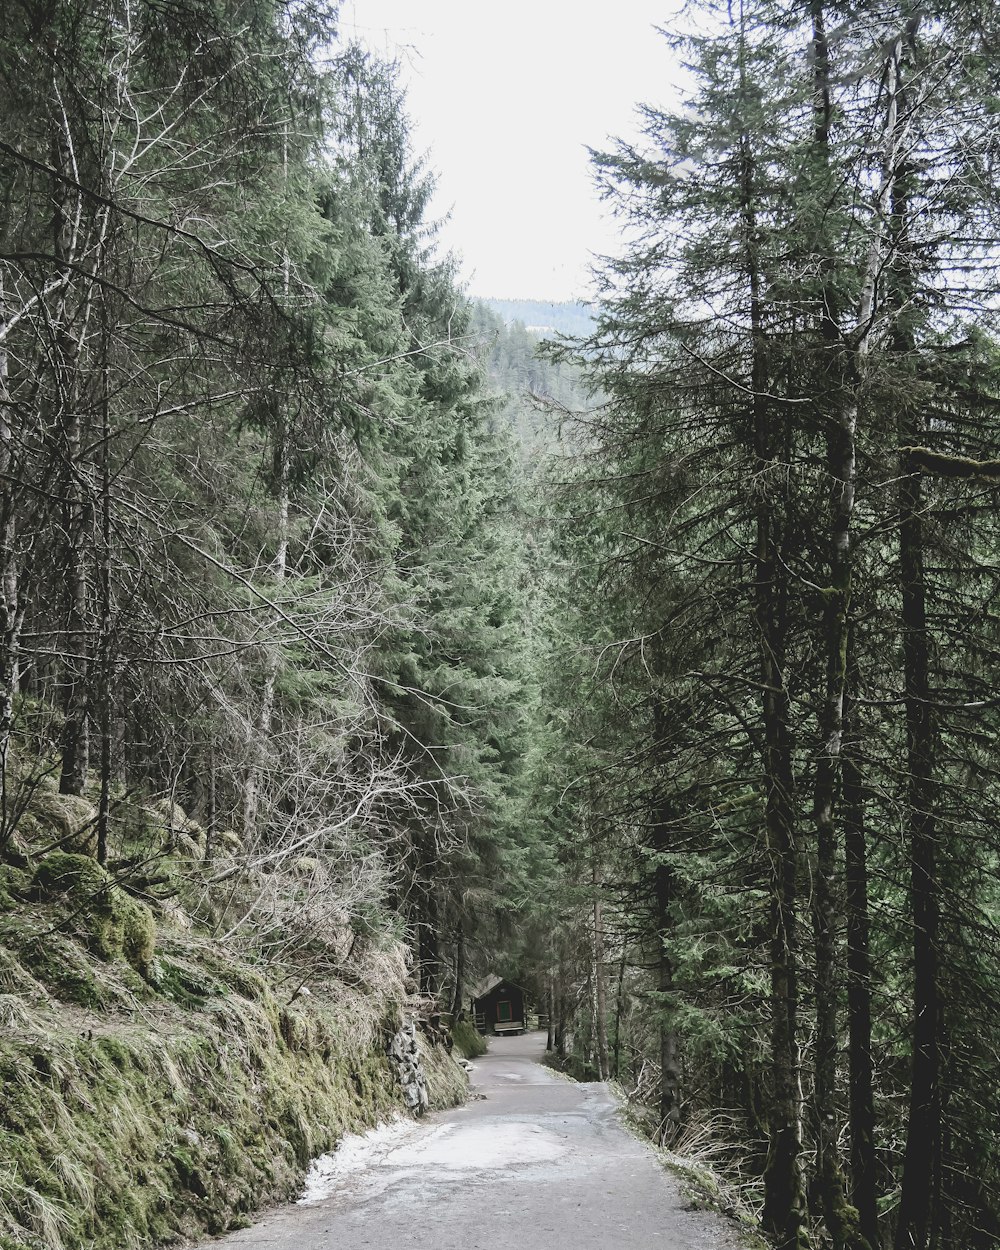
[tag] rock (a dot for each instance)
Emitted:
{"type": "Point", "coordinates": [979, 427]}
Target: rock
{"type": "Point", "coordinates": [405, 1059]}
{"type": "Point", "coordinates": [228, 839]}
{"type": "Point", "coordinates": [174, 914]}
{"type": "Point", "coordinates": [72, 817]}
{"type": "Point", "coordinates": [183, 836]}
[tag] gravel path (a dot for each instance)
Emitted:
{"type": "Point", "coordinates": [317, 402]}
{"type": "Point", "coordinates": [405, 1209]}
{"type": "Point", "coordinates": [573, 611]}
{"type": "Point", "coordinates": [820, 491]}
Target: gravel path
{"type": "Point", "coordinates": [538, 1163]}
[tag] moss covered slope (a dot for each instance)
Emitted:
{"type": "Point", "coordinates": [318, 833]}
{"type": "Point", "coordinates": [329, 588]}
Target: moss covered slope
{"type": "Point", "coordinates": [156, 1086]}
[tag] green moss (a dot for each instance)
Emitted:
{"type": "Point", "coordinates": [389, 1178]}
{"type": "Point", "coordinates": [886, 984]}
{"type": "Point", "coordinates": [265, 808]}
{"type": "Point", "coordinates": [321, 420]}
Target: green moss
{"type": "Point", "coordinates": [447, 1082]}
{"type": "Point", "coordinates": [468, 1040]}
{"type": "Point", "coordinates": [189, 987]}
{"type": "Point", "coordinates": [183, 1135]}
{"type": "Point", "coordinates": [115, 924]}
{"type": "Point", "coordinates": [246, 982]}
{"type": "Point", "coordinates": [63, 970]}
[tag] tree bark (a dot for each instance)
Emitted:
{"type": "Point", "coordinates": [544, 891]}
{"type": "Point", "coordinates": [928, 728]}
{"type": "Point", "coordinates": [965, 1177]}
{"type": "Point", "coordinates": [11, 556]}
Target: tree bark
{"type": "Point", "coordinates": [105, 648]}
{"type": "Point", "coordinates": [11, 613]}
{"type": "Point", "coordinates": [920, 1196]}
{"type": "Point", "coordinates": [75, 738]}
{"type": "Point", "coordinates": [843, 377]}
{"type": "Point", "coordinates": [459, 989]}
{"type": "Point", "coordinates": [859, 1000]}
{"type": "Point", "coordinates": [265, 716]}
{"type": "Point", "coordinates": [921, 1182]}
{"type": "Point", "coordinates": [616, 1065]}
{"type": "Point", "coordinates": [600, 980]}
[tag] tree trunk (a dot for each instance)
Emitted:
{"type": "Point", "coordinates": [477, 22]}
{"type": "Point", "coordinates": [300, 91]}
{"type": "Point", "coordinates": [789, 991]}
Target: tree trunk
{"type": "Point", "coordinates": [105, 648]}
{"type": "Point", "coordinates": [600, 981]}
{"type": "Point", "coordinates": [428, 925]}
{"type": "Point", "coordinates": [211, 807]}
{"type": "Point", "coordinates": [75, 740]}
{"type": "Point", "coordinates": [11, 614]}
{"type": "Point", "coordinates": [265, 714]}
{"type": "Point", "coordinates": [616, 1067]}
{"type": "Point", "coordinates": [919, 1200]}
{"type": "Point", "coordinates": [459, 989]}
{"type": "Point", "coordinates": [550, 986]}
{"type": "Point", "coordinates": [859, 1001]}
{"type": "Point", "coordinates": [920, 1197]}
{"type": "Point", "coordinates": [842, 378]}
{"type": "Point", "coordinates": [670, 1103]}
{"type": "Point", "coordinates": [784, 1198]}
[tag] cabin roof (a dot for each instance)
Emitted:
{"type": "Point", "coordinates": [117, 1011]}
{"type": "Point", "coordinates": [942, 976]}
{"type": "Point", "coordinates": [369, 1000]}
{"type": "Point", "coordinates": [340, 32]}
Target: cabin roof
{"type": "Point", "coordinates": [485, 985]}
{"type": "Point", "coordinates": [488, 984]}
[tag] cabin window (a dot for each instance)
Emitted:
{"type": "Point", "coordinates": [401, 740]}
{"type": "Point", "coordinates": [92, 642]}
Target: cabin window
{"type": "Point", "coordinates": [503, 1012]}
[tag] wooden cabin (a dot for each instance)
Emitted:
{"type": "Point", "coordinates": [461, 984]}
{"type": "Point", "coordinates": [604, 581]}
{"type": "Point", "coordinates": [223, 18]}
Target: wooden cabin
{"type": "Point", "coordinates": [499, 1006]}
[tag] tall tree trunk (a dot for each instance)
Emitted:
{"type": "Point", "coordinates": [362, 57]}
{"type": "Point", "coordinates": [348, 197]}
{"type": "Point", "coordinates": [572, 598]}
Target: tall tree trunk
{"type": "Point", "coordinates": [670, 1081]}
{"type": "Point", "coordinates": [75, 739]}
{"type": "Point", "coordinates": [11, 613]}
{"type": "Point", "coordinates": [616, 1065]}
{"type": "Point", "coordinates": [600, 980]}
{"type": "Point", "coordinates": [105, 657]}
{"type": "Point", "coordinates": [859, 1000]}
{"type": "Point", "coordinates": [920, 1197]}
{"type": "Point", "coordinates": [921, 1184]}
{"type": "Point", "coordinates": [261, 731]}
{"type": "Point", "coordinates": [459, 990]}
{"type": "Point", "coordinates": [211, 806]}
{"type": "Point", "coordinates": [844, 375]}
{"type": "Point", "coordinates": [664, 894]}
{"type": "Point", "coordinates": [784, 1197]}
{"type": "Point", "coordinates": [560, 1038]}
{"type": "Point", "coordinates": [550, 998]}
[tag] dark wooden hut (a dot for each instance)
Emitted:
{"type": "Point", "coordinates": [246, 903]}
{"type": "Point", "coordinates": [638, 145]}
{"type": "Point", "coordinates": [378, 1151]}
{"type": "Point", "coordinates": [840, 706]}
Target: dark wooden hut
{"type": "Point", "coordinates": [499, 1006]}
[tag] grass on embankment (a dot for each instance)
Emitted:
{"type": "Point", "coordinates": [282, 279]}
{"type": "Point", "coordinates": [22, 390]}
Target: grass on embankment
{"type": "Point", "coordinates": [154, 1085]}
{"type": "Point", "coordinates": [469, 1042]}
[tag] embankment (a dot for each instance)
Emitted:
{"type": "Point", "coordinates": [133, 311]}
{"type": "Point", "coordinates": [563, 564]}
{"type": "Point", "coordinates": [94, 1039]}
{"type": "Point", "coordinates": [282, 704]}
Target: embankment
{"type": "Point", "coordinates": [154, 1085]}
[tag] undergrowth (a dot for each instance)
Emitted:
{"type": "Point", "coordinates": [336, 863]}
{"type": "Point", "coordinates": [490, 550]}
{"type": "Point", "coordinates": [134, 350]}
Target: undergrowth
{"type": "Point", "coordinates": [701, 1159]}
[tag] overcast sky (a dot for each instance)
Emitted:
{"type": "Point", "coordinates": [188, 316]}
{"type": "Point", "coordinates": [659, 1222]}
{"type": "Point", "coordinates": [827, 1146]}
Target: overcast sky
{"type": "Point", "coordinates": [506, 97]}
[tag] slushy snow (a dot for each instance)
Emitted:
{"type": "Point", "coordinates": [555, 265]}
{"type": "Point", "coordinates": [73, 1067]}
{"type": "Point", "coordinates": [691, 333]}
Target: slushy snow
{"type": "Point", "coordinates": [356, 1152]}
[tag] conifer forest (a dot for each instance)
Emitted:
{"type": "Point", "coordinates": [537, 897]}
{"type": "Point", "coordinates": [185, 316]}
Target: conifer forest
{"type": "Point", "coordinates": [357, 641]}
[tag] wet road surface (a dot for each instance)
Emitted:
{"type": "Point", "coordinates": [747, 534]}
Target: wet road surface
{"type": "Point", "coordinates": [538, 1163]}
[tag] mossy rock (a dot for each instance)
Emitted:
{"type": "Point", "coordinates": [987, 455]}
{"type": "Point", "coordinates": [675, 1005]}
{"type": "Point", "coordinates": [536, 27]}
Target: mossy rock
{"type": "Point", "coordinates": [115, 924]}
{"type": "Point", "coordinates": [65, 971]}
{"type": "Point", "coordinates": [181, 835]}
{"type": "Point", "coordinates": [69, 816]}
{"type": "Point", "coordinates": [168, 812]}
{"type": "Point", "coordinates": [185, 847]}
{"type": "Point", "coordinates": [228, 840]}
{"type": "Point", "coordinates": [468, 1040]}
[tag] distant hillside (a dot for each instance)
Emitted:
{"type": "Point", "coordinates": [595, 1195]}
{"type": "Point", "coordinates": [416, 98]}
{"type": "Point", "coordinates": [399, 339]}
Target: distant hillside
{"type": "Point", "coordinates": [536, 391]}
{"type": "Point", "coordinates": [545, 317]}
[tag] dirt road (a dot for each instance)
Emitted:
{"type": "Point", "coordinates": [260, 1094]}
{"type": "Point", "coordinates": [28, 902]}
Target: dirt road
{"type": "Point", "coordinates": [539, 1163]}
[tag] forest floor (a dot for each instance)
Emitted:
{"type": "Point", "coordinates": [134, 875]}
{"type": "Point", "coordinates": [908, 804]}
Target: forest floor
{"type": "Point", "coordinates": [535, 1161]}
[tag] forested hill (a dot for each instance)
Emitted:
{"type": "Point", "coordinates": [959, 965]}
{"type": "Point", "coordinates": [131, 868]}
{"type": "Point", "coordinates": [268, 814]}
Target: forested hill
{"type": "Point", "coordinates": [538, 393]}
{"type": "Point", "coordinates": [545, 317]}
{"type": "Point", "coordinates": [357, 647]}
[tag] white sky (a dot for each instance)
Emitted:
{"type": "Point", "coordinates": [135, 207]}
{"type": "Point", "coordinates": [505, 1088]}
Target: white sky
{"type": "Point", "coordinates": [505, 97]}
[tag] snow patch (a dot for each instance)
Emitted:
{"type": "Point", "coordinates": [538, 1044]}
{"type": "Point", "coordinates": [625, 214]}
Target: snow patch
{"type": "Point", "coordinates": [493, 1145]}
{"type": "Point", "coordinates": [355, 1153]}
